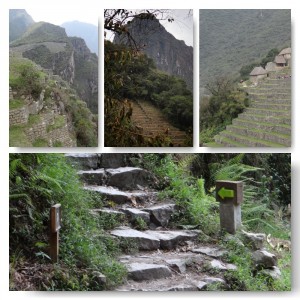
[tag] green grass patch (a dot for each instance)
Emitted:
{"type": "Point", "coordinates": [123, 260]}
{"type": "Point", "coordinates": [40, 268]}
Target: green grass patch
{"type": "Point", "coordinates": [59, 122]}
{"type": "Point", "coordinates": [40, 143]}
{"type": "Point", "coordinates": [17, 137]}
{"type": "Point", "coordinates": [33, 119]}
{"type": "Point", "coordinates": [16, 103]}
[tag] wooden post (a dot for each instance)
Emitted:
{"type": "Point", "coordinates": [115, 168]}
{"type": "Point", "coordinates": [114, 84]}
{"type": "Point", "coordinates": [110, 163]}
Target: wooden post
{"type": "Point", "coordinates": [55, 219]}
{"type": "Point", "coordinates": [230, 196]}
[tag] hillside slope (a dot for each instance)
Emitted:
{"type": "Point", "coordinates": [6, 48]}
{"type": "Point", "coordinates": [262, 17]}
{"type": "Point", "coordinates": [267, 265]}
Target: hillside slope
{"type": "Point", "coordinates": [19, 21]}
{"type": "Point", "coordinates": [49, 46]}
{"type": "Point", "coordinates": [230, 39]}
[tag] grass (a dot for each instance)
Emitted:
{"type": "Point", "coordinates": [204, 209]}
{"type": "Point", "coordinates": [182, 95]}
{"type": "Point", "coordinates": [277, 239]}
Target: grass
{"type": "Point", "coordinates": [16, 103]}
{"type": "Point", "coordinates": [33, 119]}
{"type": "Point", "coordinates": [17, 137]}
{"type": "Point", "coordinates": [59, 122]}
{"type": "Point", "coordinates": [40, 143]}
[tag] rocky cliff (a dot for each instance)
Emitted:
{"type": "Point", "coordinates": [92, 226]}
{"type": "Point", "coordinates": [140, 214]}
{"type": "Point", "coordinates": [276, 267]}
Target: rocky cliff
{"type": "Point", "coordinates": [169, 54]}
{"type": "Point", "coordinates": [49, 46]}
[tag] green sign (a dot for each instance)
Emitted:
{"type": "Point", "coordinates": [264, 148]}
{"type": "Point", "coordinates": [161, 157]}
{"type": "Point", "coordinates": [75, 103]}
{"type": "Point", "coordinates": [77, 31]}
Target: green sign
{"type": "Point", "coordinates": [225, 193]}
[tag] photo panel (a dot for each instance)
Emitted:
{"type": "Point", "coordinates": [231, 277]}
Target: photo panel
{"type": "Point", "coordinates": [53, 78]}
{"type": "Point", "coordinates": [150, 221]}
{"type": "Point", "coordinates": [148, 73]}
{"type": "Point", "coordinates": [245, 78]}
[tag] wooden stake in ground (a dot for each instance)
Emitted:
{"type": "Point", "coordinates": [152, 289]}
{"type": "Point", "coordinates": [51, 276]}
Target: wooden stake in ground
{"type": "Point", "coordinates": [55, 219]}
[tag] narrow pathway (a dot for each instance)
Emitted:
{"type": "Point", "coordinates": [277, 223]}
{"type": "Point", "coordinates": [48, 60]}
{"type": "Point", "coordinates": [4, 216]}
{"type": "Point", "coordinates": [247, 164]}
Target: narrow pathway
{"type": "Point", "coordinates": [165, 258]}
{"type": "Point", "coordinates": [153, 122]}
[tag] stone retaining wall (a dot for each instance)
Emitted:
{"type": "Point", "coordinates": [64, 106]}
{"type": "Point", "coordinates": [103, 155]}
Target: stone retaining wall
{"type": "Point", "coordinates": [18, 116]}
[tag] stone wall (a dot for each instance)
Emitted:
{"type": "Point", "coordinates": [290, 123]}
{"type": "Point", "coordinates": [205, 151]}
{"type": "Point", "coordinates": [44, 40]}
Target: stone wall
{"type": "Point", "coordinates": [61, 135]}
{"type": "Point", "coordinates": [18, 116]}
{"type": "Point", "coordinates": [37, 131]}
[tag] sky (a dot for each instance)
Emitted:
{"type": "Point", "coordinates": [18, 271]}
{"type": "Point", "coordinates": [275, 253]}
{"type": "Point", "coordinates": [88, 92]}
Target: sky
{"type": "Point", "coordinates": [181, 28]}
{"type": "Point", "coordinates": [64, 14]}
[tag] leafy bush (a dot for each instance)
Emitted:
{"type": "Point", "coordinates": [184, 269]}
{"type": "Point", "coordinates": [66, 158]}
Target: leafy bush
{"type": "Point", "coordinates": [37, 181]}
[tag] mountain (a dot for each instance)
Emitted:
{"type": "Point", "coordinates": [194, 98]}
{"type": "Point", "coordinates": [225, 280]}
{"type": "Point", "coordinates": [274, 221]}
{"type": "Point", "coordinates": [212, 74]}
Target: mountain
{"type": "Point", "coordinates": [88, 32]}
{"type": "Point", "coordinates": [19, 21]}
{"type": "Point", "coordinates": [169, 54]}
{"type": "Point", "coordinates": [49, 46]}
{"type": "Point", "coordinates": [230, 39]}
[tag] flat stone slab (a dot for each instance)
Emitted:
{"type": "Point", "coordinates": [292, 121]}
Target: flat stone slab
{"type": "Point", "coordinates": [112, 160]}
{"type": "Point", "coordinates": [107, 211]}
{"type": "Point", "coordinates": [143, 240]}
{"type": "Point", "coordinates": [117, 196]}
{"type": "Point", "coordinates": [217, 264]}
{"type": "Point", "coordinates": [210, 251]}
{"type": "Point", "coordinates": [179, 265]}
{"type": "Point", "coordinates": [170, 239]}
{"type": "Point", "coordinates": [134, 213]}
{"type": "Point", "coordinates": [180, 288]}
{"type": "Point", "coordinates": [92, 177]}
{"type": "Point", "coordinates": [84, 161]}
{"type": "Point", "coordinates": [142, 271]}
{"type": "Point", "coordinates": [161, 214]}
{"type": "Point", "coordinates": [211, 280]}
{"type": "Point", "coordinates": [126, 178]}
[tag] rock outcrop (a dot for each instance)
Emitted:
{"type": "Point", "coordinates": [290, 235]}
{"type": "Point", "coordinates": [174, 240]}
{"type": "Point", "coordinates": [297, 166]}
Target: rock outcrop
{"type": "Point", "coordinates": [169, 54]}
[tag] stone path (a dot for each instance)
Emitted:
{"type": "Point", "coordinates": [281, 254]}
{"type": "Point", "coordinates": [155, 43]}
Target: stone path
{"type": "Point", "coordinates": [166, 259]}
{"type": "Point", "coordinates": [267, 121]}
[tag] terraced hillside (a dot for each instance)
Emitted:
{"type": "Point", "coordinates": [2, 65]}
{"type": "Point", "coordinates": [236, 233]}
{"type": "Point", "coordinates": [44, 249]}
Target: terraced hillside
{"type": "Point", "coordinates": [153, 122]}
{"type": "Point", "coordinates": [267, 121]}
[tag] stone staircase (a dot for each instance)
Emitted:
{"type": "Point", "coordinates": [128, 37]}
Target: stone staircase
{"type": "Point", "coordinates": [267, 121]}
{"type": "Point", "coordinates": [153, 122]}
{"type": "Point", "coordinates": [166, 259]}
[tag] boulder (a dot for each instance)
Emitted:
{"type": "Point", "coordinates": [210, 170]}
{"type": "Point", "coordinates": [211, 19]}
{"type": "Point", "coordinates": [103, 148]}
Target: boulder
{"type": "Point", "coordinates": [253, 240]}
{"type": "Point", "coordinates": [210, 251]}
{"type": "Point", "coordinates": [143, 240]}
{"type": "Point", "coordinates": [170, 239]}
{"type": "Point", "coordinates": [100, 278]}
{"type": "Point", "coordinates": [264, 259]}
{"type": "Point", "coordinates": [92, 177]}
{"type": "Point", "coordinates": [84, 161]}
{"type": "Point", "coordinates": [201, 285]}
{"type": "Point", "coordinates": [213, 280]}
{"type": "Point", "coordinates": [273, 272]}
{"type": "Point", "coordinates": [127, 178]}
{"type": "Point", "coordinates": [180, 288]}
{"type": "Point", "coordinates": [134, 213]}
{"type": "Point", "coordinates": [160, 214]}
{"type": "Point", "coordinates": [142, 271]}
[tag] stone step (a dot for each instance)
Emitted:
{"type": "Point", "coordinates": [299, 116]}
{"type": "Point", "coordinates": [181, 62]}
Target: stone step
{"type": "Point", "coordinates": [92, 177]}
{"type": "Point", "coordinates": [269, 90]}
{"type": "Point", "coordinates": [273, 137]}
{"type": "Point", "coordinates": [127, 178]}
{"type": "Point", "coordinates": [120, 197]}
{"type": "Point", "coordinates": [84, 161]}
{"type": "Point", "coordinates": [264, 118]}
{"type": "Point", "coordinates": [160, 214]}
{"type": "Point", "coordinates": [134, 213]}
{"type": "Point", "coordinates": [280, 128]}
{"type": "Point", "coordinates": [142, 271]}
{"type": "Point", "coordinates": [170, 239]}
{"type": "Point", "coordinates": [267, 112]}
{"type": "Point", "coordinates": [245, 140]}
{"type": "Point", "coordinates": [143, 240]}
{"type": "Point", "coordinates": [112, 160]}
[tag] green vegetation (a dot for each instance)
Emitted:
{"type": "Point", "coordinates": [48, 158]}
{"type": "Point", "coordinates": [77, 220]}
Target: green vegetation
{"type": "Point", "coordinates": [17, 136]}
{"type": "Point", "coordinates": [40, 143]}
{"type": "Point", "coordinates": [36, 182]}
{"type": "Point", "coordinates": [16, 103]}
{"type": "Point", "coordinates": [231, 38]}
{"type": "Point", "coordinates": [59, 122]}
{"type": "Point", "coordinates": [130, 75]}
{"type": "Point", "coordinates": [218, 110]}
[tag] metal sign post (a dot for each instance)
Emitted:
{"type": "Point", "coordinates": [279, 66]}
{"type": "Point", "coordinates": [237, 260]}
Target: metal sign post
{"type": "Point", "coordinates": [55, 218]}
{"type": "Point", "coordinates": [230, 196]}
